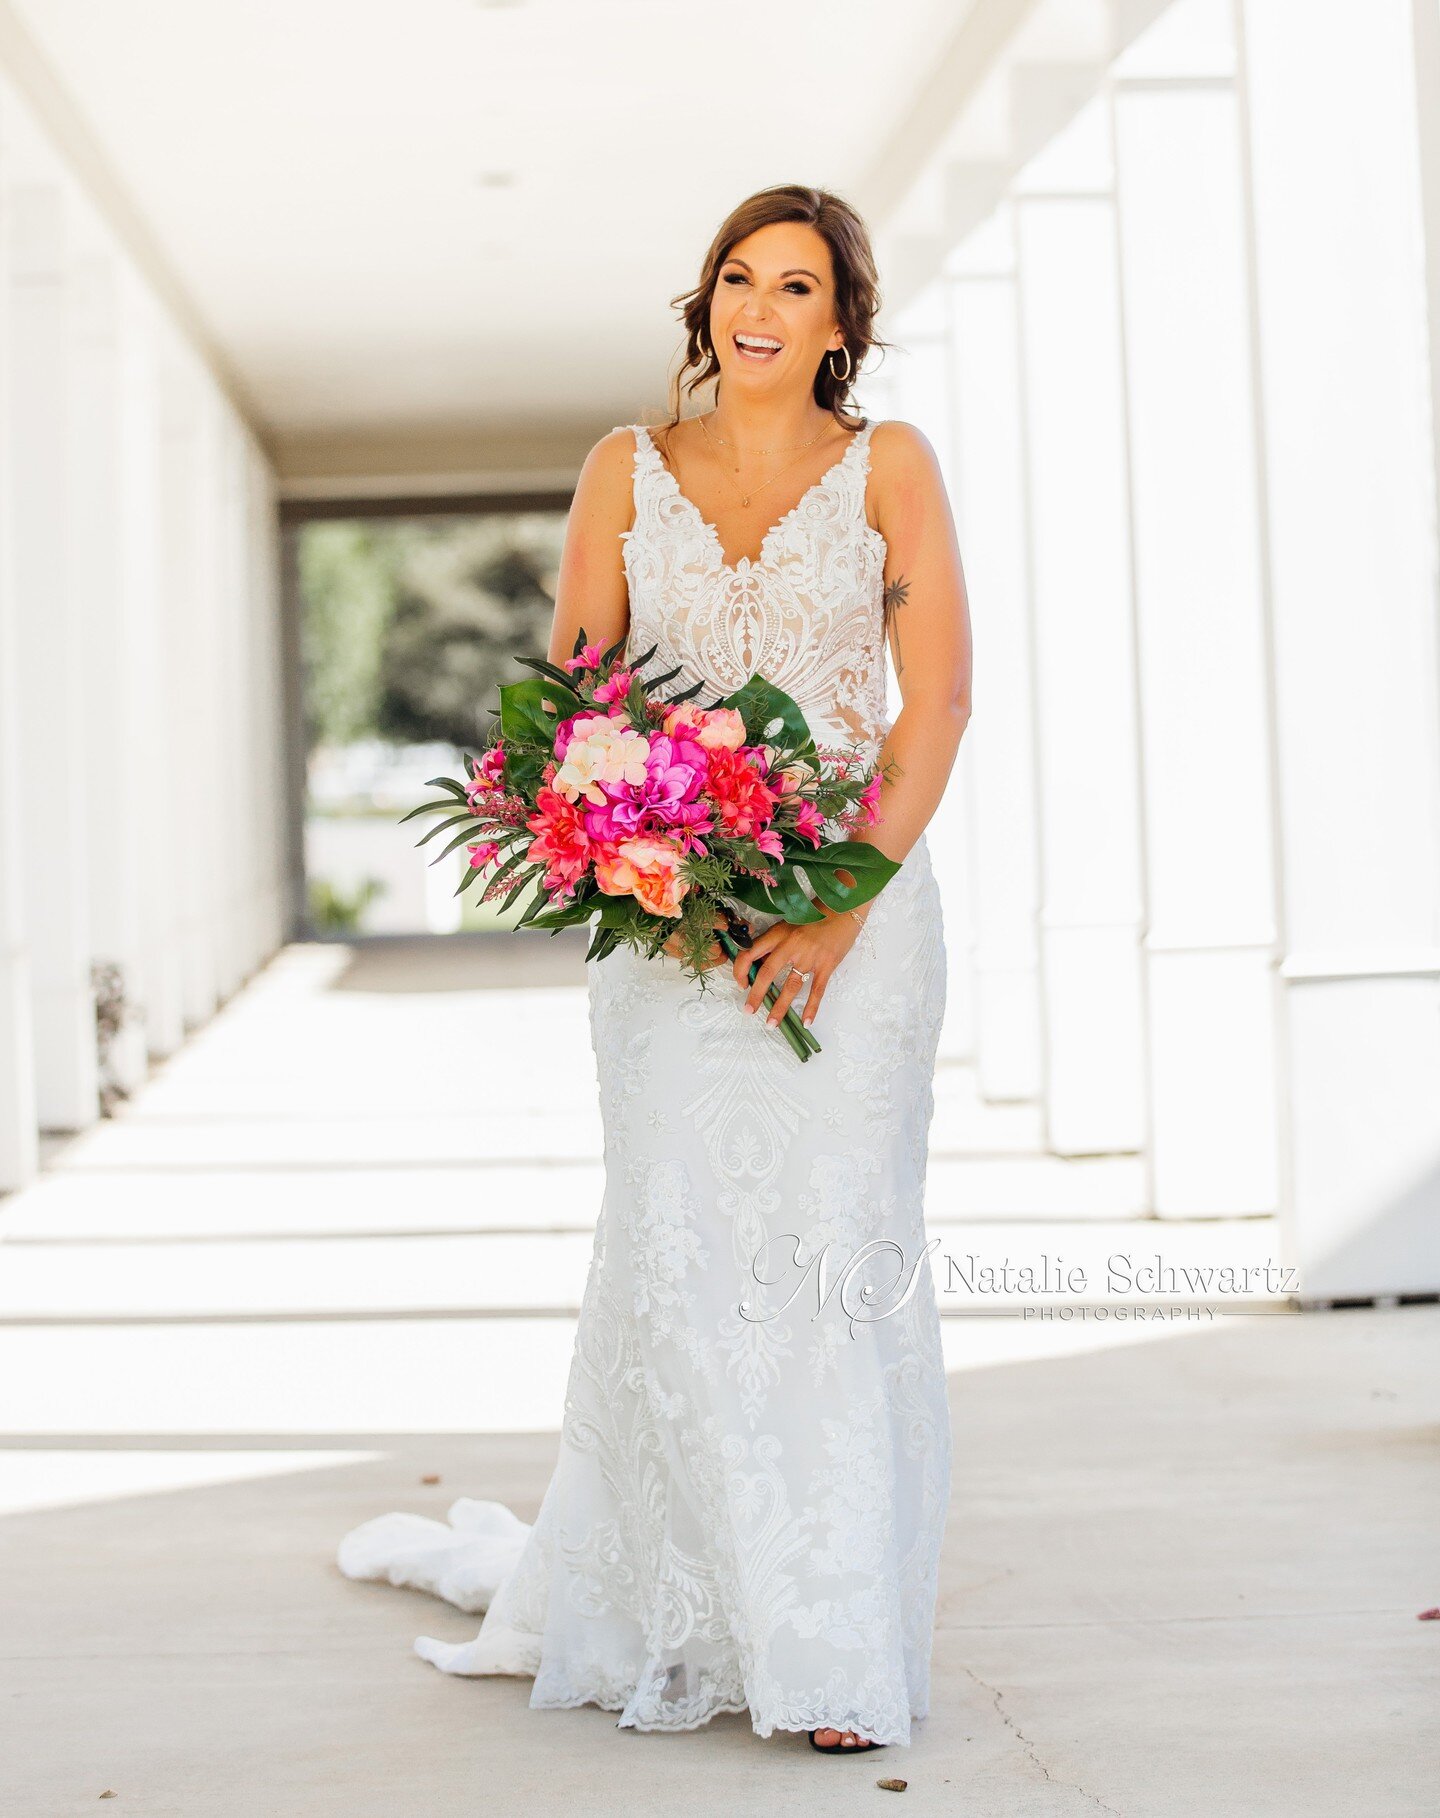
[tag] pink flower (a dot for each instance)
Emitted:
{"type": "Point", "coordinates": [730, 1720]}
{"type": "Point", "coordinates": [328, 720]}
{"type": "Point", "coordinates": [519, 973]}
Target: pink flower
{"type": "Point", "coordinates": [768, 840]}
{"type": "Point", "coordinates": [739, 792]}
{"type": "Point", "coordinates": [561, 843]}
{"type": "Point", "coordinates": [648, 870]}
{"type": "Point", "coordinates": [575, 726]}
{"type": "Point", "coordinates": [600, 753]}
{"type": "Point", "coordinates": [716, 728]}
{"type": "Point", "coordinates": [481, 854]}
{"type": "Point", "coordinates": [809, 823]}
{"type": "Point", "coordinates": [616, 687]}
{"type": "Point", "coordinates": [792, 777]}
{"type": "Point", "coordinates": [674, 772]}
{"type": "Point", "coordinates": [489, 774]}
{"type": "Point", "coordinates": [870, 801]}
{"type": "Point", "coordinates": [588, 658]}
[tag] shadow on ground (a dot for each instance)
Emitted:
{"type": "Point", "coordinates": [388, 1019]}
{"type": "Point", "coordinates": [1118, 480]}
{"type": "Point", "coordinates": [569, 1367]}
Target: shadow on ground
{"type": "Point", "coordinates": [463, 962]}
{"type": "Point", "coordinates": [1181, 1578]}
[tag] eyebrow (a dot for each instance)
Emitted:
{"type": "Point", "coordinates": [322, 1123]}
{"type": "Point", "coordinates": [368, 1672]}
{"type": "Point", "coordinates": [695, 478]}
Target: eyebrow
{"type": "Point", "coordinates": [795, 271]}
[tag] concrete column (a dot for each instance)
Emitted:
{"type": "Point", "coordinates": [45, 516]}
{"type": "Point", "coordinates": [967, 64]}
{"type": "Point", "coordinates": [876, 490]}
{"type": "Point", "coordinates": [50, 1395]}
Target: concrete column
{"type": "Point", "coordinates": [18, 1117]}
{"type": "Point", "coordinates": [196, 768]}
{"type": "Point", "coordinates": [102, 550]}
{"type": "Point", "coordinates": [55, 759]}
{"type": "Point", "coordinates": [240, 856]}
{"type": "Point", "coordinates": [1340, 310]}
{"type": "Point", "coordinates": [990, 498]}
{"type": "Point", "coordinates": [149, 827]}
{"type": "Point", "coordinates": [1080, 562]}
{"type": "Point", "coordinates": [922, 395]}
{"type": "Point", "coordinates": [169, 795]}
{"type": "Point", "coordinates": [264, 633]}
{"type": "Point", "coordinates": [1211, 943]}
{"type": "Point", "coordinates": [223, 684]}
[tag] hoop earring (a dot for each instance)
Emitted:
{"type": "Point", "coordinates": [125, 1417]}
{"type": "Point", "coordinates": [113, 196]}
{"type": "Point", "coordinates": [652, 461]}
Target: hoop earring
{"type": "Point", "coordinates": [706, 353]}
{"type": "Point", "coordinates": [841, 378]}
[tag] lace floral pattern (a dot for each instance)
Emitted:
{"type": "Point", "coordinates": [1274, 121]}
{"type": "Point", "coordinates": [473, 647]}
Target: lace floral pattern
{"type": "Point", "coordinates": [751, 1489]}
{"type": "Point", "coordinates": [807, 614]}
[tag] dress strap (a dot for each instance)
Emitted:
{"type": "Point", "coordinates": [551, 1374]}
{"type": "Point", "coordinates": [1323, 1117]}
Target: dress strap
{"type": "Point", "coordinates": [648, 469]}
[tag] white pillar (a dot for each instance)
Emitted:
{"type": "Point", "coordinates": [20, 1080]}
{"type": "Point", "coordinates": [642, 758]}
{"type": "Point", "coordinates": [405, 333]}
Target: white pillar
{"type": "Point", "coordinates": [101, 549]}
{"type": "Point", "coordinates": [1349, 474]}
{"type": "Point", "coordinates": [1210, 946]}
{"type": "Point", "coordinates": [18, 1137]}
{"type": "Point", "coordinates": [149, 828]}
{"type": "Point", "coordinates": [1091, 872]}
{"type": "Point", "coordinates": [55, 761]}
{"type": "Point", "coordinates": [922, 395]}
{"type": "Point", "coordinates": [990, 509]}
{"type": "Point", "coordinates": [166, 751]}
{"type": "Point", "coordinates": [195, 770]}
{"type": "Point", "coordinates": [270, 886]}
{"type": "Point", "coordinates": [219, 687]}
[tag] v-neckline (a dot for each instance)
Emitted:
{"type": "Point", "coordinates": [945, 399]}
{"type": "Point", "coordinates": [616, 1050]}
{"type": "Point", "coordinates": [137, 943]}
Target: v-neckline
{"type": "Point", "coordinates": [743, 563]}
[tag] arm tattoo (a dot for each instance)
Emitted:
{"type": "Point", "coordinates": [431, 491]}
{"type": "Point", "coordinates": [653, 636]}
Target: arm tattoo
{"type": "Point", "coordinates": [896, 594]}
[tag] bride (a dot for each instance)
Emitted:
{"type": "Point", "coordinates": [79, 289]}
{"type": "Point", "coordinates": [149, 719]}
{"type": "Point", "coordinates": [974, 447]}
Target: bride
{"type": "Point", "coordinates": [753, 1476]}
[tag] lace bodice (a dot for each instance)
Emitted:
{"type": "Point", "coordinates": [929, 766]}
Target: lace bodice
{"type": "Point", "coordinates": [807, 613]}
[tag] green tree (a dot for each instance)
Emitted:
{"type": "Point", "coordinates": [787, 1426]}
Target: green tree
{"type": "Point", "coordinates": [348, 581]}
{"type": "Point", "coordinates": [471, 595]}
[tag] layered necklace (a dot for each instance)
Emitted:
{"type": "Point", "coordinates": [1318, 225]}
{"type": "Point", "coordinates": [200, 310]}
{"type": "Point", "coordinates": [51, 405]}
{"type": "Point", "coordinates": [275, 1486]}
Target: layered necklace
{"type": "Point", "coordinates": [745, 495]}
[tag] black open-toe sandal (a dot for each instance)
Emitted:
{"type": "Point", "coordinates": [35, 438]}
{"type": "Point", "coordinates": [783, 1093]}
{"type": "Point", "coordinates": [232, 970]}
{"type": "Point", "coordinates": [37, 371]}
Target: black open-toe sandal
{"type": "Point", "coordinates": [863, 1747]}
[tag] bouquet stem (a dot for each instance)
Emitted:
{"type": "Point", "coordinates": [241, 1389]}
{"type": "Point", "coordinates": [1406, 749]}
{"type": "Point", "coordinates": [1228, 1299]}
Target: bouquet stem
{"type": "Point", "coordinates": [733, 938]}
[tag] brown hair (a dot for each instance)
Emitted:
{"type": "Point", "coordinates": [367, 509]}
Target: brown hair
{"type": "Point", "coordinates": [857, 288]}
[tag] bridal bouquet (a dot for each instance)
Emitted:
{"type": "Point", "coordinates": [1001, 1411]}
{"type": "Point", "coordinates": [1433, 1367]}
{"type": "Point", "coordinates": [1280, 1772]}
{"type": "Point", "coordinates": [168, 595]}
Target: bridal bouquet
{"type": "Point", "coordinates": [655, 816]}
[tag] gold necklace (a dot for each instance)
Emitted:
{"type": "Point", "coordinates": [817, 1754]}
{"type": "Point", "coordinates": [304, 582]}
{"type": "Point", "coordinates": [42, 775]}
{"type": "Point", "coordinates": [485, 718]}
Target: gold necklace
{"type": "Point", "coordinates": [745, 497]}
{"type": "Point", "coordinates": [724, 442]}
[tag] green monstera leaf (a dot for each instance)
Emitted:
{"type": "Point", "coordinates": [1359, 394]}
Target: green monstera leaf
{"type": "Point", "coordinates": [771, 716]}
{"type": "Point", "coordinates": [867, 865]}
{"type": "Point", "coordinates": [524, 717]}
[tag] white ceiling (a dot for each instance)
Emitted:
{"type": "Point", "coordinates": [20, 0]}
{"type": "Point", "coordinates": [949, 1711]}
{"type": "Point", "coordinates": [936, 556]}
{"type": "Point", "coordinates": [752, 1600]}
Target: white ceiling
{"type": "Point", "coordinates": [444, 233]}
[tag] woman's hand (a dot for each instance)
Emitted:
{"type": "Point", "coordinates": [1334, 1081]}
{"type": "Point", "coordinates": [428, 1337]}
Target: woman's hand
{"type": "Point", "coordinates": [811, 949]}
{"type": "Point", "coordinates": [716, 955]}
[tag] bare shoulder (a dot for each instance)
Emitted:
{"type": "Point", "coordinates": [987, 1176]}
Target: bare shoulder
{"type": "Point", "coordinates": [901, 451]}
{"type": "Point", "coordinates": [604, 486]}
{"type": "Point", "coordinates": [613, 456]}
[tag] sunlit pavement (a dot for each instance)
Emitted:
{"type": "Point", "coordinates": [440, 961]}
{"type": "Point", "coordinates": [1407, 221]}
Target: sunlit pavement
{"type": "Point", "coordinates": [335, 1248]}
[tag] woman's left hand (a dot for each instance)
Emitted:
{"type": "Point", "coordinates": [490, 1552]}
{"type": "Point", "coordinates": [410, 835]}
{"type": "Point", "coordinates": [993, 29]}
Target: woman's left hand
{"type": "Point", "coordinates": [812, 950]}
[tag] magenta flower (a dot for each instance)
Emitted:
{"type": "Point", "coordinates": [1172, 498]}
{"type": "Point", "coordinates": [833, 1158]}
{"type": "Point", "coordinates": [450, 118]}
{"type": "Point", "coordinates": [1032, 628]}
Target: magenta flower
{"type": "Point", "coordinates": [588, 658]}
{"type": "Point", "coordinates": [809, 823]}
{"type": "Point", "coordinates": [615, 687]}
{"type": "Point", "coordinates": [870, 801]}
{"type": "Point", "coordinates": [488, 776]}
{"type": "Point", "coordinates": [654, 805]}
{"type": "Point", "coordinates": [481, 854]}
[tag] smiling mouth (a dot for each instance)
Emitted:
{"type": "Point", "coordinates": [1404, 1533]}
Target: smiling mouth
{"type": "Point", "coordinates": [757, 349]}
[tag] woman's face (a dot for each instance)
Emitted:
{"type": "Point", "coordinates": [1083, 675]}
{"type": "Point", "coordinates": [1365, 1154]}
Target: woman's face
{"type": "Point", "coordinates": [772, 314]}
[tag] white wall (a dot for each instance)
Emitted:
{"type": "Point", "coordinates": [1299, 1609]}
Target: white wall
{"type": "Point", "coordinates": [1191, 439]}
{"type": "Point", "coordinates": [140, 700]}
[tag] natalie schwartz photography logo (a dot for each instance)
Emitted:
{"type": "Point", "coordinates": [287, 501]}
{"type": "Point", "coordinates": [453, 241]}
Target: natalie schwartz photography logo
{"type": "Point", "coordinates": [880, 1278]}
{"type": "Point", "coordinates": [874, 1282]}
{"type": "Point", "coordinates": [1121, 1285]}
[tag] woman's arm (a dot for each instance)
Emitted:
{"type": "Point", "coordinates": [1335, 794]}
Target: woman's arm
{"type": "Point", "coordinates": [929, 622]}
{"type": "Point", "coordinates": [929, 619]}
{"type": "Point", "coordinates": [591, 594]}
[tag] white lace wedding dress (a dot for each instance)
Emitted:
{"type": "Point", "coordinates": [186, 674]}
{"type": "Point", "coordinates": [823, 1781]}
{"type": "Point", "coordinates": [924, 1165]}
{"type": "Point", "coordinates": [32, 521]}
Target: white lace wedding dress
{"type": "Point", "coordinates": [747, 1509]}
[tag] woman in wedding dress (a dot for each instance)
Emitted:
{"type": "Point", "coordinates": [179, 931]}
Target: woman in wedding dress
{"type": "Point", "coordinates": [753, 1476]}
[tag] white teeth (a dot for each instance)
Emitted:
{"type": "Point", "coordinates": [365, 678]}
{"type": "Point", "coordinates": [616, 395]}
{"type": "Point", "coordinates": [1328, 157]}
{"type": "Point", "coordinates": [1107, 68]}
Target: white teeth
{"type": "Point", "coordinates": [758, 341]}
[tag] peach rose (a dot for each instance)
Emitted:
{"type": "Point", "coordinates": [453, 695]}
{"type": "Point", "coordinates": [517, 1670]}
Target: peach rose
{"type": "Point", "coordinates": [648, 870]}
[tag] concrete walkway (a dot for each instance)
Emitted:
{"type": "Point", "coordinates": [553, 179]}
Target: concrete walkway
{"type": "Point", "coordinates": [326, 1265]}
